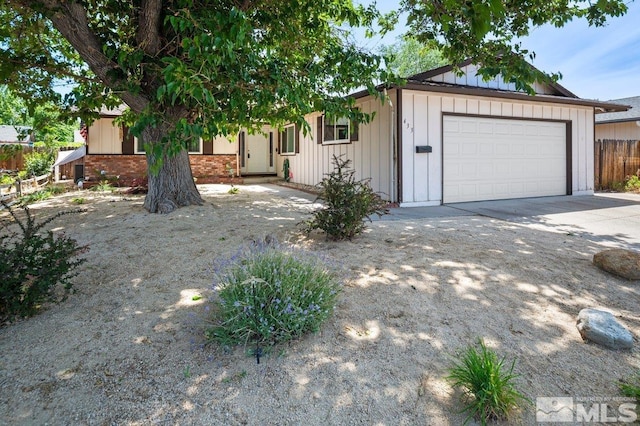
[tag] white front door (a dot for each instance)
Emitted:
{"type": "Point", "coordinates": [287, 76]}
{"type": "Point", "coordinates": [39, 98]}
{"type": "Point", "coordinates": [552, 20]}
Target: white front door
{"type": "Point", "coordinates": [257, 153]}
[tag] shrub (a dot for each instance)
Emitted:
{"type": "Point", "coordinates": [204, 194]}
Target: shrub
{"type": "Point", "coordinates": [270, 294]}
{"type": "Point", "coordinates": [42, 194]}
{"type": "Point", "coordinates": [631, 387]}
{"type": "Point", "coordinates": [38, 163]}
{"type": "Point", "coordinates": [33, 264]}
{"type": "Point", "coordinates": [488, 388]}
{"type": "Point", "coordinates": [632, 183]}
{"type": "Point", "coordinates": [347, 203]}
{"type": "Point", "coordinates": [7, 180]}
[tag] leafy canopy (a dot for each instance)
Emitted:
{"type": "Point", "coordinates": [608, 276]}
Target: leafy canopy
{"type": "Point", "coordinates": [197, 67]}
{"type": "Point", "coordinates": [408, 56]}
{"type": "Point", "coordinates": [489, 31]}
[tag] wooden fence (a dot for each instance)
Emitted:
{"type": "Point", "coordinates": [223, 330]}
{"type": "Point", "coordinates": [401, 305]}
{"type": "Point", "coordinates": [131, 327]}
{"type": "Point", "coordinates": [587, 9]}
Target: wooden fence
{"type": "Point", "coordinates": [615, 160]}
{"type": "Point", "coordinates": [12, 156]}
{"type": "Point", "coordinates": [22, 187]}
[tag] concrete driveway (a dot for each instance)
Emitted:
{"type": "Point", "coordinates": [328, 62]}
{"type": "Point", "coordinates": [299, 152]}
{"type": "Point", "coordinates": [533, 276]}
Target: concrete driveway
{"type": "Point", "coordinates": [610, 219]}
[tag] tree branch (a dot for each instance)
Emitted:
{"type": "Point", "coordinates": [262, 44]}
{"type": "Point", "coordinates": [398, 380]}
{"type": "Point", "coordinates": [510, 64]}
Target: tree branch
{"type": "Point", "coordinates": [148, 34]}
{"type": "Point", "coordinates": [70, 18]}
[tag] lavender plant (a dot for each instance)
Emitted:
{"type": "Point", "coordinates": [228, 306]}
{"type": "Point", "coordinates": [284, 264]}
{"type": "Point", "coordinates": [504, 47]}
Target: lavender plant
{"type": "Point", "coordinates": [270, 294]}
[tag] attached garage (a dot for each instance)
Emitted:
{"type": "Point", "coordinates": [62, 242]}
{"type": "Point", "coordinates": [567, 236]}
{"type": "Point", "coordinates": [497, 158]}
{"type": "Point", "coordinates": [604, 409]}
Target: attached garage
{"type": "Point", "coordinates": [486, 158]}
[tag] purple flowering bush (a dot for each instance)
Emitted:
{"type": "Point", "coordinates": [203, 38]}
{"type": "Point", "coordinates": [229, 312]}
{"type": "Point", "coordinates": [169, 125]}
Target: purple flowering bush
{"type": "Point", "coordinates": [268, 294]}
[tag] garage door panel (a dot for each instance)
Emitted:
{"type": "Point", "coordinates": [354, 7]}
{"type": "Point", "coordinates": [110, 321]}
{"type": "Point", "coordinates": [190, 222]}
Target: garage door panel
{"type": "Point", "coordinates": [503, 159]}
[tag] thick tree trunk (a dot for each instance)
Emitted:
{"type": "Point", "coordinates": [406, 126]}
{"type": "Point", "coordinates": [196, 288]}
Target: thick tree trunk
{"type": "Point", "coordinates": [172, 186]}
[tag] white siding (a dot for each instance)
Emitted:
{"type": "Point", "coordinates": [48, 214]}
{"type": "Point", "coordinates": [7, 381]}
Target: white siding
{"type": "Point", "coordinates": [422, 125]}
{"type": "Point", "coordinates": [105, 137]}
{"type": "Point", "coordinates": [469, 77]}
{"type": "Point", "coordinates": [225, 145]}
{"type": "Point", "coordinates": [624, 131]}
{"type": "Point", "coordinates": [370, 156]}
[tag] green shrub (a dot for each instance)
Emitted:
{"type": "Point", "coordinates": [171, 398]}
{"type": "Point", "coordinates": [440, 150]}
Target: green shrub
{"type": "Point", "coordinates": [7, 180]}
{"type": "Point", "coordinates": [631, 387]}
{"type": "Point", "coordinates": [270, 294]}
{"type": "Point", "coordinates": [347, 203]}
{"type": "Point", "coordinates": [489, 393]}
{"type": "Point", "coordinates": [38, 163]}
{"type": "Point", "coordinates": [103, 186]}
{"type": "Point", "coordinates": [632, 184]}
{"type": "Point", "coordinates": [33, 263]}
{"type": "Point", "coordinates": [41, 195]}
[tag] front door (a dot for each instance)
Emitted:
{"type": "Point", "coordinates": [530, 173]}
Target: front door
{"type": "Point", "coordinates": [257, 152]}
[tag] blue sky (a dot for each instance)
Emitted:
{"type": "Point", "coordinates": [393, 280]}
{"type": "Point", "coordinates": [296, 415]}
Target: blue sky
{"type": "Point", "coordinates": [595, 63]}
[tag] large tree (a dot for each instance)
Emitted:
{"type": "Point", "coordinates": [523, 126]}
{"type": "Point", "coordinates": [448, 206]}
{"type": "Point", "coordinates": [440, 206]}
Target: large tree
{"type": "Point", "coordinates": [408, 56]}
{"type": "Point", "coordinates": [188, 68]}
{"type": "Point", "coordinates": [491, 32]}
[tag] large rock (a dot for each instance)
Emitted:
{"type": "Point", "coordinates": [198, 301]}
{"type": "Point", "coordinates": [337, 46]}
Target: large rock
{"type": "Point", "coordinates": [602, 327]}
{"type": "Point", "coordinates": [621, 262]}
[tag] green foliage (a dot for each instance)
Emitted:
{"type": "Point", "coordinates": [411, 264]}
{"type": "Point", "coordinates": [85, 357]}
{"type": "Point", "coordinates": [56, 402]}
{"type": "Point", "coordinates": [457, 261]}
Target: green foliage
{"type": "Point", "coordinates": [489, 392]}
{"type": "Point", "coordinates": [7, 179]}
{"type": "Point", "coordinates": [41, 195]}
{"type": "Point", "coordinates": [78, 200]}
{"type": "Point", "coordinates": [12, 108]}
{"type": "Point", "coordinates": [35, 265]}
{"type": "Point", "coordinates": [408, 56]}
{"type": "Point", "coordinates": [103, 186]}
{"type": "Point", "coordinates": [631, 387]}
{"type": "Point", "coordinates": [490, 32]}
{"type": "Point", "coordinates": [632, 184]}
{"type": "Point", "coordinates": [347, 203]}
{"type": "Point", "coordinates": [233, 190]}
{"type": "Point", "coordinates": [270, 294]}
{"type": "Point", "coordinates": [38, 163]}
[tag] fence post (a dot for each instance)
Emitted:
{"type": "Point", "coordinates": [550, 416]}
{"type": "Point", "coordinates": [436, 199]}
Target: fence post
{"type": "Point", "coordinates": [19, 187]}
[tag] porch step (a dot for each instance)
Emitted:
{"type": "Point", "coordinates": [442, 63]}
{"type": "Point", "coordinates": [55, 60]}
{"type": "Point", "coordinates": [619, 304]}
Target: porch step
{"type": "Point", "coordinates": [253, 180]}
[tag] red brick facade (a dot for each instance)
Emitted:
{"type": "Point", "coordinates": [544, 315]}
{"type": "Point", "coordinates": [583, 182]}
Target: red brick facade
{"type": "Point", "coordinates": [205, 168]}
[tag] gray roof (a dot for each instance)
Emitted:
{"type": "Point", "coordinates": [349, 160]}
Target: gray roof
{"type": "Point", "coordinates": [15, 134]}
{"type": "Point", "coordinates": [632, 114]}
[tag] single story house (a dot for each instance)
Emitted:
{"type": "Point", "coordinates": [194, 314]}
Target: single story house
{"type": "Point", "coordinates": [620, 125]}
{"type": "Point", "coordinates": [15, 135]}
{"type": "Point", "coordinates": [440, 138]}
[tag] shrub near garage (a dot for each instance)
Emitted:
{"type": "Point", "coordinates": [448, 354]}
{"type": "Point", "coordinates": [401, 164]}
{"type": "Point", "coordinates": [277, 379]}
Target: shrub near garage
{"type": "Point", "coordinates": [33, 263]}
{"type": "Point", "coordinates": [347, 203]}
{"type": "Point", "coordinates": [268, 294]}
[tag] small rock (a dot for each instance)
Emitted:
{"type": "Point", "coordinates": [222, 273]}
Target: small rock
{"type": "Point", "coordinates": [621, 262]}
{"type": "Point", "coordinates": [602, 327]}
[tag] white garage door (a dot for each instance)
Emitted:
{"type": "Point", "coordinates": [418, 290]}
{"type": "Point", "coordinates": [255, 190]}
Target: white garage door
{"type": "Point", "coordinates": [493, 159]}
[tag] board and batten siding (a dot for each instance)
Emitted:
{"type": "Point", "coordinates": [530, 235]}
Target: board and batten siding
{"type": "Point", "coordinates": [469, 77]}
{"type": "Point", "coordinates": [622, 131]}
{"type": "Point", "coordinates": [421, 124]}
{"type": "Point", "coordinates": [370, 155]}
{"type": "Point", "coordinates": [105, 137]}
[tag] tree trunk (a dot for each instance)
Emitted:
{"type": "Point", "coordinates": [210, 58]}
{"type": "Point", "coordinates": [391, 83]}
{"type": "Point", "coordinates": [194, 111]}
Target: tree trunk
{"type": "Point", "coordinates": [172, 186]}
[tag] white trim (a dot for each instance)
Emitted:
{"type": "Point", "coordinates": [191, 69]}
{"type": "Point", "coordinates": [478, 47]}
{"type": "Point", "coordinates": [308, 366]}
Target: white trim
{"type": "Point", "coordinates": [336, 141]}
{"type": "Point", "coordinates": [283, 143]}
{"type": "Point", "coordinates": [421, 204]}
{"type": "Point", "coordinates": [137, 152]}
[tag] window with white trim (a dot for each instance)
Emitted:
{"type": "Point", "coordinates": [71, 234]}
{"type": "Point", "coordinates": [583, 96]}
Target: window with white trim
{"type": "Point", "coordinates": [288, 140]}
{"type": "Point", "coordinates": [335, 130]}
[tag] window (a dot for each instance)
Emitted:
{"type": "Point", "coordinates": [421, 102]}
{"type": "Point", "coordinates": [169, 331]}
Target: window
{"type": "Point", "coordinates": [288, 140]}
{"type": "Point", "coordinates": [336, 130]}
{"type": "Point", "coordinates": [193, 146]}
{"type": "Point", "coordinates": [139, 144]}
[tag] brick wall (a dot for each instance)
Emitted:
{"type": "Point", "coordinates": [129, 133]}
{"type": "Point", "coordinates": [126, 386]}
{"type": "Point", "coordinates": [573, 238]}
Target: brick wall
{"type": "Point", "coordinates": [205, 168]}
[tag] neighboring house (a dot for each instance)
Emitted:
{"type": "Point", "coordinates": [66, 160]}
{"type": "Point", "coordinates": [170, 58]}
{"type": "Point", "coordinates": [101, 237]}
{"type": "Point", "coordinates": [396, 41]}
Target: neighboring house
{"type": "Point", "coordinates": [441, 138]}
{"type": "Point", "coordinates": [15, 135]}
{"type": "Point", "coordinates": [620, 125]}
